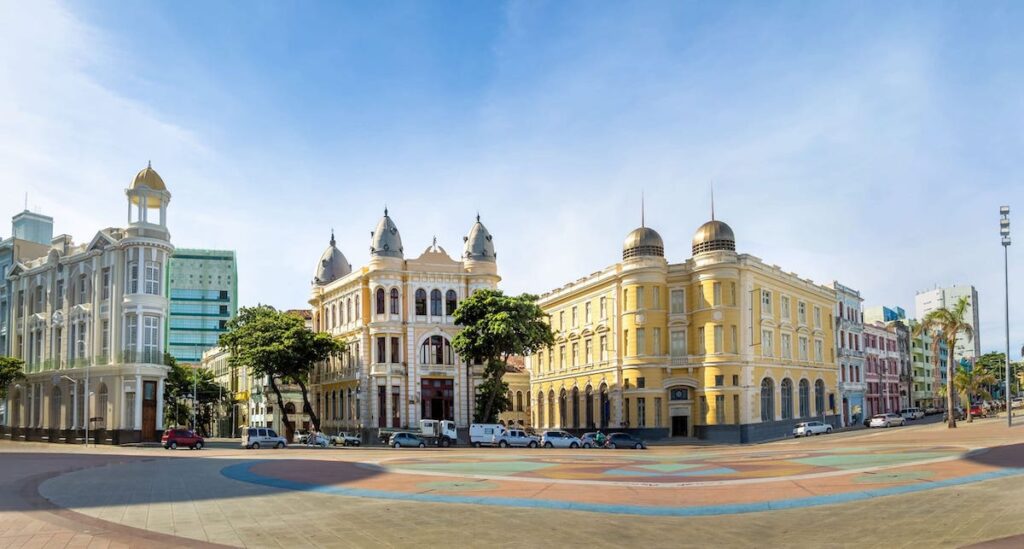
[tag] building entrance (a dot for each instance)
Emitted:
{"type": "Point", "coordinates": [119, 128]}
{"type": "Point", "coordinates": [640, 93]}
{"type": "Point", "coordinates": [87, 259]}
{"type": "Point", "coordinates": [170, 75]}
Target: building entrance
{"type": "Point", "coordinates": [680, 426]}
{"type": "Point", "coordinates": [437, 398]}
{"type": "Point", "coordinates": [149, 411]}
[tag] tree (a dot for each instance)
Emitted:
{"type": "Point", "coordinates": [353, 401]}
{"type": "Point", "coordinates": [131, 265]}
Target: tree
{"type": "Point", "coordinates": [11, 370]}
{"type": "Point", "coordinates": [181, 380]}
{"type": "Point", "coordinates": [495, 327]}
{"type": "Point", "coordinates": [970, 382]}
{"type": "Point", "coordinates": [948, 324]}
{"type": "Point", "coordinates": [278, 346]}
{"type": "Point", "coordinates": [995, 364]}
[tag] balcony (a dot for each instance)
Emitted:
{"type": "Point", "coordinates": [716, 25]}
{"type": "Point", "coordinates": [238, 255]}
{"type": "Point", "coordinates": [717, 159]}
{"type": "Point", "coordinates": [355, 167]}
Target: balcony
{"type": "Point", "coordinates": [846, 352]}
{"type": "Point", "coordinates": [342, 374]}
{"type": "Point", "coordinates": [145, 356]}
{"type": "Point", "coordinates": [852, 386]}
{"type": "Point", "coordinates": [679, 360]}
{"type": "Point", "coordinates": [387, 369]}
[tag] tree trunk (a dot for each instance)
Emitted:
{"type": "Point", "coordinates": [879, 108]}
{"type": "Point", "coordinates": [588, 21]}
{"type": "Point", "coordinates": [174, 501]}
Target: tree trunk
{"type": "Point", "coordinates": [949, 384]}
{"type": "Point", "coordinates": [313, 418]}
{"type": "Point", "coordinates": [496, 387]}
{"type": "Point", "coordinates": [280, 406]}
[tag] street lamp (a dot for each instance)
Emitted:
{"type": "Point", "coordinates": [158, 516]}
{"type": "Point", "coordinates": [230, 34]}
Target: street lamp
{"type": "Point", "coordinates": [81, 343]}
{"type": "Point", "coordinates": [1004, 232]}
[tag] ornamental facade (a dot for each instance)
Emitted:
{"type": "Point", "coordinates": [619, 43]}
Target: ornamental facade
{"type": "Point", "coordinates": [395, 315]}
{"type": "Point", "coordinates": [721, 346]}
{"type": "Point", "coordinates": [88, 320]}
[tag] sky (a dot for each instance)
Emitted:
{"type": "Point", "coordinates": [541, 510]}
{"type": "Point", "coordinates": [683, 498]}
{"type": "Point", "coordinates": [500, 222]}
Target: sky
{"type": "Point", "coordinates": [866, 142]}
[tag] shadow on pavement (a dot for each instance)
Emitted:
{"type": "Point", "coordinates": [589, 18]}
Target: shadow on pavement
{"type": "Point", "coordinates": [1011, 455]}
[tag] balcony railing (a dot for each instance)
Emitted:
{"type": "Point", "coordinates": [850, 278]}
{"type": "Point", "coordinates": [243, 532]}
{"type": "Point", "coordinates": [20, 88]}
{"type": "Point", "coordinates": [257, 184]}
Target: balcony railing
{"type": "Point", "coordinates": [145, 356]}
{"type": "Point", "coordinates": [386, 369]}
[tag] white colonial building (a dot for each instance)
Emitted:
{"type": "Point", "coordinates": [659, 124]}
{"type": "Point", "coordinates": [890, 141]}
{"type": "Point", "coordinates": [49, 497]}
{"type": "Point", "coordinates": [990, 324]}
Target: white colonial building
{"type": "Point", "coordinates": [395, 314]}
{"type": "Point", "coordinates": [88, 319]}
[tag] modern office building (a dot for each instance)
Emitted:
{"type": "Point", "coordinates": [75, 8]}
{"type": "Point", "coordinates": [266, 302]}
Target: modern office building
{"type": "Point", "coordinates": [32, 227]}
{"type": "Point", "coordinates": [395, 314]}
{"type": "Point", "coordinates": [88, 319]}
{"type": "Point", "coordinates": [203, 292]}
{"type": "Point", "coordinates": [720, 345]}
{"type": "Point", "coordinates": [15, 250]}
{"type": "Point", "coordinates": [850, 352]}
{"type": "Point", "coordinates": [938, 298]}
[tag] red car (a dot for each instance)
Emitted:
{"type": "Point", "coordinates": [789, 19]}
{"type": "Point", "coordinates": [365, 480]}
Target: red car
{"type": "Point", "coordinates": [978, 411]}
{"type": "Point", "coordinates": [181, 437]}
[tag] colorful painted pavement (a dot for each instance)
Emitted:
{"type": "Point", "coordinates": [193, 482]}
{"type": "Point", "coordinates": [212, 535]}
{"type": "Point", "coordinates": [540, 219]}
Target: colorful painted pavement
{"type": "Point", "coordinates": [629, 482]}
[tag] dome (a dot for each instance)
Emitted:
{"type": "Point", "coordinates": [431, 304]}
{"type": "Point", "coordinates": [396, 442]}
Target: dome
{"type": "Point", "coordinates": [385, 241]}
{"type": "Point", "coordinates": [479, 245]}
{"type": "Point", "coordinates": [714, 236]}
{"type": "Point", "coordinates": [643, 241]}
{"type": "Point", "coordinates": [332, 265]}
{"type": "Point", "coordinates": [149, 178]}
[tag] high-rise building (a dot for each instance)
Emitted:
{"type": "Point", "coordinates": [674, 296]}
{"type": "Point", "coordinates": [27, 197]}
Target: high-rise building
{"type": "Point", "coordinates": [930, 300]}
{"type": "Point", "coordinates": [203, 290]}
{"type": "Point", "coordinates": [19, 250]}
{"type": "Point", "coordinates": [33, 227]}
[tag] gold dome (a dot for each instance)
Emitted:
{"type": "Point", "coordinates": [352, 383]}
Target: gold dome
{"type": "Point", "coordinates": [147, 177]}
{"type": "Point", "coordinates": [714, 236]}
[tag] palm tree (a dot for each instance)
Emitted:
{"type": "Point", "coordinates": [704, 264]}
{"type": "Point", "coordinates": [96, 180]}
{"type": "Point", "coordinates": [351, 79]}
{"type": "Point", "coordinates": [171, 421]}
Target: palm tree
{"type": "Point", "coordinates": [949, 323]}
{"type": "Point", "coordinates": [971, 382]}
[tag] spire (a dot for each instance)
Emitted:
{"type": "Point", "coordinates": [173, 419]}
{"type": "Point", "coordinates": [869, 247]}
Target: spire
{"type": "Point", "coordinates": [477, 217]}
{"type": "Point", "coordinates": [712, 201]}
{"type": "Point", "coordinates": [332, 236]}
{"type": "Point", "coordinates": [642, 209]}
{"type": "Point", "coordinates": [149, 164]}
{"type": "Point", "coordinates": [385, 210]}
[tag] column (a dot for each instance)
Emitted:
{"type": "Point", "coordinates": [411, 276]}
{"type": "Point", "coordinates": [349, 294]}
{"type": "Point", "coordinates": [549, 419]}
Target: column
{"type": "Point", "coordinates": [388, 400]}
{"type": "Point", "coordinates": [159, 404]}
{"type": "Point", "coordinates": [138, 401]}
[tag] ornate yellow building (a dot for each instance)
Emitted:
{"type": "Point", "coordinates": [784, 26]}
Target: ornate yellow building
{"type": "Point", "coordinates": [721, 346]}
{"type": "Point", "coordinates": [395, 314]}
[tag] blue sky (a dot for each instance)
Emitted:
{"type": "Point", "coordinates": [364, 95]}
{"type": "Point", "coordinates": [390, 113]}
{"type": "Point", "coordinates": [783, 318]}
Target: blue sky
{"type": "Point", "coordinates": [868, 142]}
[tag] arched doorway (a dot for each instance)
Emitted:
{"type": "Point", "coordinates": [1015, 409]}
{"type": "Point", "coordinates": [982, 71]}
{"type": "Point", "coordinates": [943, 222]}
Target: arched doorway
{"type": "Point", "coordinates": [680, 404]}
{"type": "Point", "coordinates": [55, 405]}
{"type": "Point", "coordinates": [575, 408]}
{"type": "Point", "coordinates": [551, 408]}
{"type": "Point", "coordinates": [605, 405]}
{"type": "Point", "coordinates": [589, 407]}
{"type": "Point", "coordinates": [562, 409]}
{"type": "Point", "coordinates": [540, 410]}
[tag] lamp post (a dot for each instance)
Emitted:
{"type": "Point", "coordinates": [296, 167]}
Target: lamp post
{"type": "Point", "coordinates": [1004, 232]}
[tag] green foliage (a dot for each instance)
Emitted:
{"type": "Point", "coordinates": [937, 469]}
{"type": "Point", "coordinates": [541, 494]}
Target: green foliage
{"type": "Point", "coordinates": [495, 327]}
{"type": "Point", "coordinates": [971, 382]}
{"type": "Point", "coordinates": [947, 324]}
{"type": "Point", "coordinates": [181, 380]}
{"type": "Point", "coordinates": [993, 363]}
{"type": "Point", "coordinates": [11, 370]}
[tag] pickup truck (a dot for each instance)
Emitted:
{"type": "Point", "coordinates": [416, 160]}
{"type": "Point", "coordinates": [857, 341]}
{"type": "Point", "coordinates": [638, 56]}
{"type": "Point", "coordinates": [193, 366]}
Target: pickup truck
{"type": "Point", "coordinates": [345, 439]}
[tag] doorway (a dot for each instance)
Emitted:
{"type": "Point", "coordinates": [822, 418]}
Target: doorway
{"type": "Point", "coordinates": [680, 426]}
{"type": "Point", "coordinates": [148, 411]}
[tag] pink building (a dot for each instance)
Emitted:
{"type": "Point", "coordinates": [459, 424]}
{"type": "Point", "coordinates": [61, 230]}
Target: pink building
{"type": "Point", "coordinates": [881, 370]}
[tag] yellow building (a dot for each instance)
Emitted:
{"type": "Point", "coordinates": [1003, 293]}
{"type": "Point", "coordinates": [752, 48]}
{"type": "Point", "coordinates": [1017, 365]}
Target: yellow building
{"type": "Point", "coordinates": [395, 314]}
{"type": "Point", "coordinates": [517, 376]}
{"type": "Point", "coordinates": [721, 346]}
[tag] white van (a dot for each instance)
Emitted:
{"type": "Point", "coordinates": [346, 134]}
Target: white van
{"type": "Point", "coordinates": [912, 413]}
{"type": "Point", "coordinates": [261, 437]}
{"type": "Point", "coordinates": [486, 434]}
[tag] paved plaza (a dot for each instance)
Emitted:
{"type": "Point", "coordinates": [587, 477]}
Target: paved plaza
{"type": "Point", "coordinates": [920, 486]}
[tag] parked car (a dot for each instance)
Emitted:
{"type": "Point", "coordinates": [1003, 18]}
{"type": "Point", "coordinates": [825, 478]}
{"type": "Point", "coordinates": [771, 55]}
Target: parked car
{"type": "Point", "coordinates": [589, 440]}
{"type": "Point", "coordinates": [912, 413]}
{"type": "Point", "coordinates": [182, 437]}
{"type": "Point", "coordinates": [979, 411]}
{"type": "Point", "coordinates": [559, 439]}
{"type": "Point", "coordinates": [317, 439]}
{"type": "Point", "coordinates": [255, 438]}
{"type": "Point", "coordinates": [1017, 402]}
{"type": "Point", "coordinates": [406, 440]}
{"type": "Point", "coordinates": [301, 436]}
{"type": "Point", "coordinates": [486, 434]}
{"type": "Point", "coordinates": [958, 414]}
{"type": "Point", "coordinates": [809, 428]}
{"type": "Point", "coordinates": [887, 420]}
{"type": "Point", "coordinates": [518, 437]}
{"type": "Point", "coordinates": [931, 411]}
{"type": "Point", "coordinates": [624, 440]}
{"type": "Point", "coordinates": [345, 439]}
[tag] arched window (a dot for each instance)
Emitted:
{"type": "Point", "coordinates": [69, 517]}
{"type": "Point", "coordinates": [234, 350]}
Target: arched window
{"type": "Point", "coordinates": [348, 310]}
{"type": "Point", "coordinates": [380, 301]}
{"type": "Point", "coordinates": [358, 314]}
{"type": "Point", "coordinates": [786, 388]}
{"type": "Point", "coordinates": [334, 317]}
{"type": "Point", "coordinates": [805, 398]}
{"type": "Point", "coordinates": [395, 309]}
{"type": "Point", "coordinates": [519, 401]}
{"type": "Point", "coordinates": [341, 404]}
{"type": "Point", "coordinates": [767, 400]}
{"type": "Point", "coordinates": [540, 409]}
{"type": "Point", "coordinates": [435, 302]}
{"type": "Point", "coordinates": [819, 397]}
{"type": "Point", "coordinates": [421, 302]}
{"type": "Point", "coordinates": [450, 302]}
{"type": "Point", "coordinates": [589, 407]}
{"type": "Point", "coordinates": [563, 416]}
{"type": "Point", "coordinates": [551, 408]}
{"type": "Point", "coordinates": [575, 408]}
{"type": "Point", "coordinates": [334, 405]}
{"type": "Point", "coordinates": [55, 408]}
{"type": "Point", "coordinates": [436, 350]}
{"type": "Point", "coordinates": [289, 408]}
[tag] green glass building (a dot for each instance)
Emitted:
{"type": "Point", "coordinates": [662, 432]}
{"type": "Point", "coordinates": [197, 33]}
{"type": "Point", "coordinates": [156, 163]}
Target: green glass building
{"type": "Point", "coordinates": [203, 292]}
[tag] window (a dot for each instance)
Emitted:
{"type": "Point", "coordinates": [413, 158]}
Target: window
{"type": "Point", "coordinates": [625, 300]}
{"type": "Point", "coordinates": [704, 409]}
{"type": "Point", "coordinates": [766, 303]}
{"type": "Point", "coordinates": [131, 331]}
{"type": "Point", "coordinates": [105, 337]}
{"type": "Point", "coordinates": [677, 345]}
{"type": "Point", "coordinates": [641, 412]}
{"type": "Point", "coordinates": [719, 380]}
{"type": "Point", "coordinates": [561, 356]}
{"type": "Point", "coordinates": [380, 301]}
{"type": "Point", "coordinates": [805, 395]}
{"type": "Point", "coordinates": [435, 302]}
{"type": "Point", "coordinates": [82, 290]}
{"type": "Point", "coordinates": [786, 389]}
{"type": "Point", "coordinates": [625, 342]}
{"type": "Point", "coordinates": [784, 305]}
{"type": "Point", "coordinates": [574, 319]}
{"type": "Point", "coordinates": [561, 320]}
{"type": "Point", "coordinates": [801, 312]}
{"type": "Point", "coordinates": [819, 397]}
{"type": "Point", "coordinates": [732, 297]}
{"type": "Point", "coordinates": [551, 360]}
{"type": "Point", "coordinates": [719, 339]}
{"type": "Point", "coordinates": [604, 347]}
{"type": "Point", "coordinates": [604, 308]}
{"type": "Point", "coordinates": [678, 301]}
{"type": "Point", "coordinates": [152, 278]}
{"type": "Point", "coordinates": [720, 409]}
{"type": "Point", "coordinates": [787, 346]}
{"type": "Point", "coordinates": [396, 307]}
{"type": "Point", "coordinates": [656, 342]}
{"type": "Point", "coordinates": [735, 380]}
{"type": "Point", "coordinates": [451, 302]}
{"type": "Point", "coordinates": [436, 350]}
{"type": "Point", "coordinates": [586, 313]}
{"type": "Point", "coordinates": [701, 341]}
{"type": "Point", "coordinates": [396, 355]}
{"type": "Point", "coordinates": [150, 334]}
{"type": "Point", "coordinates": [382, 350]}
{"type": "Point", "coordinates": [716, 293]}
{"type": "Point", "coordinates": [625, 410]}
{"type": "Point", "coordinates": [803, 348]}
{"type": "Point", "coordinates": [641, 341]}
{"type": "Point", "coordinates": [357, 308]}
{"type": "Point", "coordinates": [679, 393]}
{"type": "Point", "coordinates": [767, 345]}
{"type": "Point", "coordinates": [656, 295]}
{"type": "Point", "coordinates": [60, 294]}
{"type": "Point", "coordinates": [575, 354]}
{"type": "Point", "coordinates": [818, 351]}
{"type": "Point", "coordinates": [589, 351]}
{"type": "Point", "coordinates": [734, 338]}
{"type": "Point", "coordinates": [767, 400]}
{"type": "Point", "coordinates": [657, 411]}
{"type": "Point", "coordinates": [817, 317]}
{"type": "Point", "coordinates": [421, 302]}
{"type": "Point", "coordinates": [640, 297]}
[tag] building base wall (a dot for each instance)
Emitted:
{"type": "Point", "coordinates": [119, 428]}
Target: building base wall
{"type": "Point", "coordinates": [756, 432]}
{"type": "Point", "coordinates": [72, 436]}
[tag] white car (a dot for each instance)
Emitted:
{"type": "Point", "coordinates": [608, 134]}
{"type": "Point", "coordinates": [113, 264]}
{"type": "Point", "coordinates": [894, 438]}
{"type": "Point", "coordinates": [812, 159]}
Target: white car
{"type": "Point", "coordinates": [886, 420]}
{"type": "Point", "coordinates": [809, 428]}
{"type": "Point", "coordinates": [345, 439]}
{"type": "Point", "coordinates": [255, 438]}
{"type": "Point", "coordinates": [912, 413]}
{"type": "Point", "coordinates": [1017, 402]}
{"type": "Point", "coordinates": [559, 439]}
{"type": "Point", "coordinates": [518, 437]}
{"type": "Point", "coordinates": [317, 439]}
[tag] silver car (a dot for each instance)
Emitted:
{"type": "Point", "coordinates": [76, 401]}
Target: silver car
{"type": "Point", "coordinates": [809, 428]}
{"type": "Point", "coordinates": [559, 439]}
{"type": "Point", "coordinates": [518, 437]}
